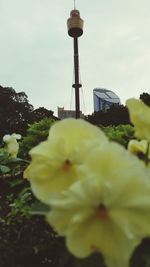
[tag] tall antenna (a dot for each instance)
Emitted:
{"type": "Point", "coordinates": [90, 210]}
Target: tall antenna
{"type": "Point", "coordinates": [74, 4]}
{"type": "Point", "coordinates": [75, 30]}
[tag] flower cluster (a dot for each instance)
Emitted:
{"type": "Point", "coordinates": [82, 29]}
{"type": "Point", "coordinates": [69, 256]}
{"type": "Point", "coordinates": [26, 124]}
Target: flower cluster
{"type": "Point", "coordinates": [99, 193]}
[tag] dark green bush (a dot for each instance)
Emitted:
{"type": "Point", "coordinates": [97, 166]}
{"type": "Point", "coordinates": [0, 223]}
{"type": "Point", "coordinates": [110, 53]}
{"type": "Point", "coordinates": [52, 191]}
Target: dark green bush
{"type": "Point", "coordinates": [36, 133]}
{"type": "Point", "coordinates": [121, 134]}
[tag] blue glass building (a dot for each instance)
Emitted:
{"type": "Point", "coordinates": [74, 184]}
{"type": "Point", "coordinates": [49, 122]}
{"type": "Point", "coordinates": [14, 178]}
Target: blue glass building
{"type": "Point", "coordinates": [103, 99]}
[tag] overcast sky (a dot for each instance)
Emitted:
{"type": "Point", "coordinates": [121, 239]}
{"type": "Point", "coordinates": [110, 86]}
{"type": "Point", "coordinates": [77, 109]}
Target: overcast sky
{"type": "Point", "coordinates": [36, 54]}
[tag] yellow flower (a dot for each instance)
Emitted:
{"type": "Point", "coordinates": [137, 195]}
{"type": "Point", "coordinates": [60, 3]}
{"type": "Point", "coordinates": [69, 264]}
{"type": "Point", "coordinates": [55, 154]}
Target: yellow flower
{"type": "Point", "coordinates": [140, 117]}
{"type": "Point", "coordinates": [109, 211]}
{"type": "Point", "coordinates": [55, 162]}
{"type": "Point", "coordinates": [12, 146]}
{"type": "Point", "coordinates": [137, 147]}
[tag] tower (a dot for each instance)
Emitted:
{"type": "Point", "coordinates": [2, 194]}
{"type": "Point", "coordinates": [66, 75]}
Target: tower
{"type": "Point", "coordinates": [75, 30]}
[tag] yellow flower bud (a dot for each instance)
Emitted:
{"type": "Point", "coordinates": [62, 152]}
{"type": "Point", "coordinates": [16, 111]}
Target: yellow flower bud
{"type": "Point", "coordinates": [140, 117]}
{"type": "Point", "coordinates": [12, 146]}
{"type": "Point", "coordinates": [136, 147]}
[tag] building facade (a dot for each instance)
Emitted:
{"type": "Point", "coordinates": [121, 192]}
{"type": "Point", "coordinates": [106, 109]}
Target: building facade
{"type": "Point", "coordinates": [63, 113]}
{"type": "Point", "coordinates": [104, 99]}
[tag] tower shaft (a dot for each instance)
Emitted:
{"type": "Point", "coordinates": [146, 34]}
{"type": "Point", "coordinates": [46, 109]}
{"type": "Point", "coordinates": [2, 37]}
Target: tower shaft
{"type": "Point", "coordinates": [76, 73]}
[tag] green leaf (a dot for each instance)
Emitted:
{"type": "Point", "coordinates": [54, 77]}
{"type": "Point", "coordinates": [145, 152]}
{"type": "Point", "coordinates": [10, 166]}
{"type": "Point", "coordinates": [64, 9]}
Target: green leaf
{"type": "Point", "coordinates": [15, 182]}
{"type": "Point", "coordinates": [3, 156]}
{"type": "Point", "coordinates": [38, 208]}
{"type": "Point", "coordinates": [15, 160]}
{"type": "Point", "coordinates": [4, 169]}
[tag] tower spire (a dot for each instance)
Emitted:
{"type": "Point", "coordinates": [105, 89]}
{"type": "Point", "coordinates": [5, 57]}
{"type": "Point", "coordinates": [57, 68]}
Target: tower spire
{"type": "Point", "coordinates": [74, 4]}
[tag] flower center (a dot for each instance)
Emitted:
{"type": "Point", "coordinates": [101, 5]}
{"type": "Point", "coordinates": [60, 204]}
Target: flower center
{"type": "Point", "coordinates": [101, 212]}
{"type": "Point", "coordinates": [67, 165]}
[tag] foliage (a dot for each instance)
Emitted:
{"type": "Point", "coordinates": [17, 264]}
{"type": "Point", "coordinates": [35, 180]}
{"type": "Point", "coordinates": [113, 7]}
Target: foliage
{"type": "Point", "coordinates": [114, 116]}
{"type": "Point", "coordinates": [145, 97]}
{"type": "Point", "coordinates": [15, 111]}
{"type": "Point", "coordinates": [10, 166]}
{"type": "Point", "coordinates": [121, 133]}
{"type": "Point", "coordinates": [36, 133]}
{"type": "Point", "coordinates": [3, 157]}
{"type": "Point", "coordinates": [18, 205]}
{"type": "Point", "coordinates": [25, 240]}
{"type": "Point", "coordinates": [41, 113]}
{"type": "Point", "coordinates": [11, 170]}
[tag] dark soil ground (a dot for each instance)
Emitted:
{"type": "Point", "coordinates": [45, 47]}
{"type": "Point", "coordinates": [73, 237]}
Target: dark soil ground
{"type": "Point", "coordinates": [25, 242]}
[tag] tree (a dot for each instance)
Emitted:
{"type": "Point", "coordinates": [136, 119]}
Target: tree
{"type": "Point", "coordinates": [118, 115]}
{"type": "Point", "coordinates": [145, 97]}
{"type": "Point", "coordinates": [114, 116]}
{"type": "Point", "coordinates": [41, 113]}
{"type": "Point", "coordinates": [15, 111]}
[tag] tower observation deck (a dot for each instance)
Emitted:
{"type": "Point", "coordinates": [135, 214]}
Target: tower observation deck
{"type": "Point", "coordinates": [75, 30]}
